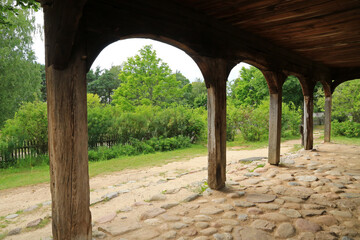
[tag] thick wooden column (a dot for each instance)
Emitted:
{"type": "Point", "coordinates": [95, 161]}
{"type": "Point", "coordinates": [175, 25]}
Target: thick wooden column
{"type": "Point", "coordinates": [275, 128]}
{"type": "Point", "coordinates": [217, 134]}
{"type": "Point", "coordinates": [308, 121]}
{"type": "Point", "coordinates": [68, 145]}
{"type": "Point", "coordinates": [275, 82]}
{"type": "Point", "coordinates": [215, 72]}
{"type": "Point", "coordinates": [327, 127]}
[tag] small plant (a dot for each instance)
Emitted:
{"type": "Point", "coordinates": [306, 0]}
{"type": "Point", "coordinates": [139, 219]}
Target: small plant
{"type": "Point", "coordinates": [258, 166]}
{"type": "Point", "coordinates": [202, 188]}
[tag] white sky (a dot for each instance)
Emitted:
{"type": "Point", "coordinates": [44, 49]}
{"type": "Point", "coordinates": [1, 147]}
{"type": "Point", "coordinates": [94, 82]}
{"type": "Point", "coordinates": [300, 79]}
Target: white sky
{"type": "Point", "coordinates": [118, 52]}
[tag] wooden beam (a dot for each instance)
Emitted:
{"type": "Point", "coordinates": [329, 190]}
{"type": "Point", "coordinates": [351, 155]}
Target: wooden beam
{"type": "Point", "coordinates": [275, 82]}
{"type": "Point", "coordinates": [61, 24]}
{"type": "Point", "coordinates": [68, 149]}
{"type": "Point", "coordinates": [215, 72]}
{"type": "Point", "coordinates": [308, 121]}
{"type": "Point", "coordinates": [327, 129]}
{"type": "Point", "coordinates": [192, 31]}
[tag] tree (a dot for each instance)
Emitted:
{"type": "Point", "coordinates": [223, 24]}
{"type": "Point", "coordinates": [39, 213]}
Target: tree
{"type": "Point", "coordinates": [250, 88]}
{"type": "Point", "coordinates": [20, 76]}
{"type": "Point", "coordinates": [346, 101]}
{"type": "Point", "coordinates": [11, 8]}
{"type": "Point", "coordinates": [199, 93]}
{"type": "Point", "coordinates": [146, 80]}
{"type": "Point", "coordinates": [103, 83]}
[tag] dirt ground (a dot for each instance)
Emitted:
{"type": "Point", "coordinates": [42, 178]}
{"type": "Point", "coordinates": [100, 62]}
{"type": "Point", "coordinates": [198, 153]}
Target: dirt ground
{"type": "Point", "coordinates": [122, 200]}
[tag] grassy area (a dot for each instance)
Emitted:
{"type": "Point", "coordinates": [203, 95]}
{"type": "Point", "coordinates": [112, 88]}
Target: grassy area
{"type": "Point", "coordinates": [240, 142]}
{"type": "Point", "coordinates": [16, 177]}
{"type": "Point", "coordinates": [345, 140]}
{"type": "Point", "coordinates": [153, 159]}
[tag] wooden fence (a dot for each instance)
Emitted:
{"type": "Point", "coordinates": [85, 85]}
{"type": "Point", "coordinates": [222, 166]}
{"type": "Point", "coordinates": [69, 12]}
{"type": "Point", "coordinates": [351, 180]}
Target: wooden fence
{"type": "Point", "coordinates": [34, 148]}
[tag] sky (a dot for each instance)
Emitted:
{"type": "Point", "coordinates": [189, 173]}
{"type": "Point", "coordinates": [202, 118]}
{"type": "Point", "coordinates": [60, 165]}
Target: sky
{"type": "Point", "coordinates": [118, 52]}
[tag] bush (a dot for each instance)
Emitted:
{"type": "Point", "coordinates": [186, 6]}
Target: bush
{"type": "Point", "coordinates": [253, 123]}
{"type": "Point", "coordinates": [290, 120]}
{"type": "Point", "coordinates": [136, 147]}
{"type": "Point", "coordinates": [347, 129]}
{"type": "Point", "coordinates": [29, 124]}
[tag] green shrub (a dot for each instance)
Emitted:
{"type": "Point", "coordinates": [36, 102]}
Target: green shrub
{"type": "Point", "coordinates": [136, 147]}
{"type": "Point", "coordinates": [29, 124]}
{"type": "Point", "coordinates": [347, 129]}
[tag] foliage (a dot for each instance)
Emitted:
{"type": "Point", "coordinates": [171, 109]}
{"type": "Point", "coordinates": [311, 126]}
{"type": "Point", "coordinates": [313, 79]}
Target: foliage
{"type": "Point", "coordinates": [346, 101]}
{"type": "Point", "coordinates": [253, 123]}
{"type": "Point", "coordinates": [348, 129]}
{"type": "Point", "coordinates": [146, 80]}
{"type": "Point", "coordinates": [29, 123]}
{"type": "Point", "coordinates": [14, 8]}
{"type": "Point", "coordinates": [20, 77]}
{"type": "Point", "coordinates": [99, 119]}
{"type": "Point", "coordinates": [251, 88]}
{"type": "Point", "coordinates": [103, 83]}
{"type": "Point", "coordinates": [136, 147]}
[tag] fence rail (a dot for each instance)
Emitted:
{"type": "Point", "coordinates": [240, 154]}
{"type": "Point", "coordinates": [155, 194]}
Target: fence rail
{"type": "Point", "coordinates": [33, 148]}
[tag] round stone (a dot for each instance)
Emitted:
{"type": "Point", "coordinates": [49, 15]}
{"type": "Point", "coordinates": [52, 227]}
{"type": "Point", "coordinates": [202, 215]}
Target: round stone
{"type": "Point", "coordinates": [285, 230]}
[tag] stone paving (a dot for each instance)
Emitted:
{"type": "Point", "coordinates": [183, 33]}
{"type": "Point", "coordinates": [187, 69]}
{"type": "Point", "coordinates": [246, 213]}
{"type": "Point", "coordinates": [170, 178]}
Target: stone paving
{"type": "Point", "coordinates": [311, 195]}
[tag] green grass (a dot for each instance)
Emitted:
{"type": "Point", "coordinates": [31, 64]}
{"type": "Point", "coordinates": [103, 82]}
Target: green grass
{"type": "Point", "coordinates": [16, 177]}
{"type": "Point", "coordinates": [345, 140]}
{"type": "Point", "coordinates": [240, 142]}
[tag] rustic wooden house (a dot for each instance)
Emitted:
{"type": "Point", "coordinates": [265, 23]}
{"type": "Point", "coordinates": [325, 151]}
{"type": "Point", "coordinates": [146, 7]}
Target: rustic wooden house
{"type": "Point", "coordinates": [314, 40]}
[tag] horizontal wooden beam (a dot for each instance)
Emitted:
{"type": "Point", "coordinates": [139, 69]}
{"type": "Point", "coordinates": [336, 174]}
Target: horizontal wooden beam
{"type": "Point", "coordinates": [192, 31]}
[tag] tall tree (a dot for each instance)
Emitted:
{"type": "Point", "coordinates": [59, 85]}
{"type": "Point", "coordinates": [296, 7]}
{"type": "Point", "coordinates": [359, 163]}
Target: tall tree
{"type": "Point", "coordinates": [146, 79]}
{"type": "Point", "coordinates": [103, 83]}
{"type": "Point", "coordinates": [20, 76]}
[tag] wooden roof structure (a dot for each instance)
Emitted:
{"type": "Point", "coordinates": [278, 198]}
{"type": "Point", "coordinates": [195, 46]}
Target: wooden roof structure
{"type": "Point", "coordinates": [316, 40]}
{"type": "Point", "coordinates": [298, 37]}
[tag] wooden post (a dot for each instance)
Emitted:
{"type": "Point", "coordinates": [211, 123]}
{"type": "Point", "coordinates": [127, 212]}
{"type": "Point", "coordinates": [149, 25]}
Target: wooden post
{"type": "Point", "coordinates": [327, 129]}
{"type": "Point", "coordinates": [308, 121]}
{"type": "Point", "coordinates": [275, 128]}
{"type": "Point", "coordinates": [68, 144]}
{"type": "Point", "coordinates": [275, 81]}
{"type": "Point", "coordinates": [215, 73]}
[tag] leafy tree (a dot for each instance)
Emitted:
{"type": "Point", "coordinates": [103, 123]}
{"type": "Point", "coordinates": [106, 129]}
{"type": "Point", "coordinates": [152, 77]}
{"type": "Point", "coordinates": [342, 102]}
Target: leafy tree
{"type": "Point", "coordinates": [250, 88]}
{"type": "Point", "coordinates": [146, 79]}
{"type": "Point", "coordinates": [29, 123]}
{"type": "Point", "coordinates": [346, 101]}
{"type": "Point", "coordinates": [12, 8]}
{"type": "Point", "coordinates": [20, 76]}
{"type": "Point", "coordinates": [199, 93]}
{"type": "Point", "coordinates": [104, 83]}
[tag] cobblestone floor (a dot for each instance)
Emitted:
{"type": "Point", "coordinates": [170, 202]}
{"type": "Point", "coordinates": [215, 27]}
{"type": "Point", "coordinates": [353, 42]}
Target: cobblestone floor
{"type": "Point", "coordinates": [311, 195]}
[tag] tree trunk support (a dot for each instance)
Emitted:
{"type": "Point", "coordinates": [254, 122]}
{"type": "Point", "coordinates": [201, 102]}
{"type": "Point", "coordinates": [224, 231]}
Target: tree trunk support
{"type": "Point", "coordinates": [275, 82]}
{"type": "Point", "coordinates": [327, 130]}
{"type": "Point", "coordinates": [308, 121]}
{"type": "Point", "coordinates": [215, 72]}
{"type": "Point", "coordinates": [68, 149]}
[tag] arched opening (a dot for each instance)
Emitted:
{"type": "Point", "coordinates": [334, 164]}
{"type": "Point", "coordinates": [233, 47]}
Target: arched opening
{"type": "Point", "coordinates": [145, 98]}
{"type": "Point", "coordinates": [252, 95]}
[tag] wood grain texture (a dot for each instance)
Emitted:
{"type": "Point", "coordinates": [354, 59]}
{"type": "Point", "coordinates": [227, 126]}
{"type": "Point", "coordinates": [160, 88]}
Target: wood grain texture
{"type": "Point", "coordinates": [327, 123]}
{"type": "Point", "coordinates": [275, 81]}
{"type": "Point", "coordinates": [308, 121]}
{"type": "Point", "coordinates": [215, 72]}
{"type": "Point", "coordinates": [68, 137]}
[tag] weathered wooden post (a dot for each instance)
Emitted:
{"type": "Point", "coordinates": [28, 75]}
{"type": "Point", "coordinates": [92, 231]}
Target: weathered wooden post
{"type": "Point", "coordinates": [215, 72]}
{"type": "Point", "coordinates": [327, 127]}
{"type": "Point", "coordinates": [275, 82]}
{"type": "Point", "coordinates": [67, 118]}
{"type": "Point", "coordinates": [308, 121]}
